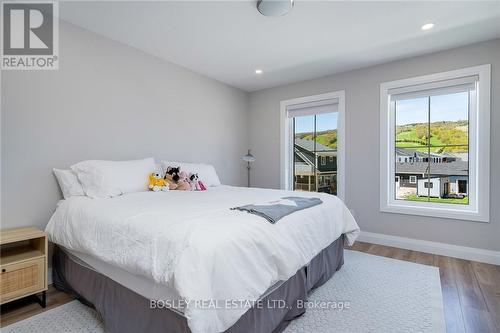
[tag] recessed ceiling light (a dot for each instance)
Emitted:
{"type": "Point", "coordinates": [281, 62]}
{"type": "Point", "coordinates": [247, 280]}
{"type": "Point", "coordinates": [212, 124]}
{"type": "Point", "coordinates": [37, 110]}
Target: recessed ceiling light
{"type": "Point", "coordinates": [258, 71]}
{"type": "Point", "coordinates": [428, 26]}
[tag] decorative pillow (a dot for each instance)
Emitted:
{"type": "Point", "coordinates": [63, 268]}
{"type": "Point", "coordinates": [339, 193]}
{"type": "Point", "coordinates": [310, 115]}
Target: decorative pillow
{"type": "Point", "coordinates": [107, 179]}
{"type": "Point", "coordinates": [206, 172]}
{"type": "Point", "coordinates": [68, 182]}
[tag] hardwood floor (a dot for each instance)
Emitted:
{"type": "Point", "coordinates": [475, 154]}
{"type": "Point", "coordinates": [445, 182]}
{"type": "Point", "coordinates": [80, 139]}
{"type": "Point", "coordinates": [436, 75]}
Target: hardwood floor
{"type": "Point", "coordinates": [27, 307]}
{"type": "Point", "coordinates": [471, 291]}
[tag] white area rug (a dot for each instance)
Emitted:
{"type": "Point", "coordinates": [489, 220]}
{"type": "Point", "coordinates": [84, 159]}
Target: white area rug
{"type": "Point", "coordinates": [385, 295]}
{"type": "Point", "coordinates": [378, 295]}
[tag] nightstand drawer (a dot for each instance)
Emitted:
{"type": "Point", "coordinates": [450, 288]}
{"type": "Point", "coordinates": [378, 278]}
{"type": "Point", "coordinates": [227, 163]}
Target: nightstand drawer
{"type": "Point", "coordinates": [22, 278]}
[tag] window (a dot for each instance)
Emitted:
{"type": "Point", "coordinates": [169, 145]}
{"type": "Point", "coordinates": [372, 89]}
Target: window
{"type": "Point", "coordinates": [312, 134]}
{"type": "Point", "coordinates": [462, 186]}
{"type": "Point", "coordinates": [437, 126]}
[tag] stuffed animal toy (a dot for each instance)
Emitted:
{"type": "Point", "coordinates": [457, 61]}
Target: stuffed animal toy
{"type": "Point", "coordinates": [184, 177]}
{"type": "Point", "coordinates": [157, 183]}
{"type": "Point", "coordinates": [195, 183]}
{"type": "Point", "coordinates": [174, 179]}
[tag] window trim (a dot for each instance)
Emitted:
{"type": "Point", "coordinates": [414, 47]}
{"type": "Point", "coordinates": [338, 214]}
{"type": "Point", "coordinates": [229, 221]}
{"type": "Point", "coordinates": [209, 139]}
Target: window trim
{"type": "Point", "coordinates": [414, 181]}
{"type": "Point", "coordinates": [479, 150]}
{"type": "Point", "coordinates": [286, 153]}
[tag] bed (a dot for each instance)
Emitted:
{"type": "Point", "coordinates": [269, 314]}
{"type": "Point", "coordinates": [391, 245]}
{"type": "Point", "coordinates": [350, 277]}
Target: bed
{"type": "Point", "coordinates": [185, 262]}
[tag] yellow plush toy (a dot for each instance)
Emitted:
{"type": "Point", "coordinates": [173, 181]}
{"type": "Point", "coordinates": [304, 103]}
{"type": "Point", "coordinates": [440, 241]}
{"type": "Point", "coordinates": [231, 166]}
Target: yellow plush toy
{"type": "Point", "coordinates": [157, 183]}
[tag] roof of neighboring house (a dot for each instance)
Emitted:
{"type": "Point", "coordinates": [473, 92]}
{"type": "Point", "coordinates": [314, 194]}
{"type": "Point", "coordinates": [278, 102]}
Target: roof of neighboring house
{"type": "Point", "coordinates": [309, 145]}
{"type": "Point", "coordinates": [464, 156]}
{"type": "Point", "coordinates": [456, 168]}
{"type": "Point", "coordinates": [412, 152]}
{"type": "Point", "coordinates": [301, 157]}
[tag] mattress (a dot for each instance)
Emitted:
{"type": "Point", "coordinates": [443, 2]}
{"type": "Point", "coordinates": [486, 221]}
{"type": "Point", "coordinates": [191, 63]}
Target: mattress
{"type": "Point", "coordinates": [193, 243]}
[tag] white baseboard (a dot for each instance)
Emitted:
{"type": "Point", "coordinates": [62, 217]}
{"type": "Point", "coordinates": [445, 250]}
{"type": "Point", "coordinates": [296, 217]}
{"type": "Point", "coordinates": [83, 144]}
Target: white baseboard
{"type": "Point", "coordinates": [449, 250]}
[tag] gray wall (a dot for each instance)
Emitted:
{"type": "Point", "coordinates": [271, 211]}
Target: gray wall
{"type": "Point", "coordinates": [110, 101]}
{"type": "Point", "coordinates": [362, 137]}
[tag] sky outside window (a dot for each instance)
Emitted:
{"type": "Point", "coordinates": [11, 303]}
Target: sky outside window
{"type": "Point", "coordinates": [452, 107]}
{"type": "Point", "coordinates": [327, 121]}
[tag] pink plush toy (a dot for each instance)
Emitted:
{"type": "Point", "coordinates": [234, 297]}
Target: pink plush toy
{"type": "Point", "coordinates": [202, 186]}
{"type": "Point", "coordinates": [184, 179]}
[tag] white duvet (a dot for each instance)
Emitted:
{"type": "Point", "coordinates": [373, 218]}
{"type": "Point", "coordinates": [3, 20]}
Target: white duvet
{"type": "Point", "coordinates": [193, 242]}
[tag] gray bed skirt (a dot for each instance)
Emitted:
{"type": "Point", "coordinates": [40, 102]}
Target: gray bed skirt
{"type": "Point", "coordinates": [125, 311]}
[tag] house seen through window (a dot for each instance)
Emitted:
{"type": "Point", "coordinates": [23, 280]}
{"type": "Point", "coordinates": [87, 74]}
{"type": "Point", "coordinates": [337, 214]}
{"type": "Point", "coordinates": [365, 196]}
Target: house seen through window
{"type": "Point", "coordinates": [432, 146]}
{"type": "Point", "coordinates": [315, 152]}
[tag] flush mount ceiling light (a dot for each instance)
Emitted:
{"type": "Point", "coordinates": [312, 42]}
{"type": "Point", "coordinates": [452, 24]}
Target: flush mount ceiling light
{"type": "Point", "coordinates": [274, 7]}
{"type": "Point", "coordinates": [428, 26]}
{"type": "Point", "coordinates": [258, 71]}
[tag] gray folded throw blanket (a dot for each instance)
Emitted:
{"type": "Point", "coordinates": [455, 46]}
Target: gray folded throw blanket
{"type": "Point", "coordinates": [274, 211]}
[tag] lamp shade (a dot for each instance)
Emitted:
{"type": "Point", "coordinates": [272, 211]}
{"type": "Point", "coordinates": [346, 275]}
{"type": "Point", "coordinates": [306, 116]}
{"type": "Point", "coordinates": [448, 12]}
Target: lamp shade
{"type": "Point", "coordinates": [248, 157]}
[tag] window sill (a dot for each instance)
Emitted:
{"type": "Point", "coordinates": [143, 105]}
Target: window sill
{"type": "Point", "coordinates": [447, 211]}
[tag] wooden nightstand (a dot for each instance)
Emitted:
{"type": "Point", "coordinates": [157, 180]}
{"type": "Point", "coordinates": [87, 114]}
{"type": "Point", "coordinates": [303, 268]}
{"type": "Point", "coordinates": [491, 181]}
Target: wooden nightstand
{"type": "Point", "coordinates": [23, 262]}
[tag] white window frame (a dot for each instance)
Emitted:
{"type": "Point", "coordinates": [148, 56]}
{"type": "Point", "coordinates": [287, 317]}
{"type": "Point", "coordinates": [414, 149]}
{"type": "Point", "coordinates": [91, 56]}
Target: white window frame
{"type": "Point", "coordinates": [479, 150]}
{"type": "Point", "coordinates": [323, 160]}
{"type": "Point", "coordinates": [414, 179]}
{"type": "Point", "coordinates": [286, 137]}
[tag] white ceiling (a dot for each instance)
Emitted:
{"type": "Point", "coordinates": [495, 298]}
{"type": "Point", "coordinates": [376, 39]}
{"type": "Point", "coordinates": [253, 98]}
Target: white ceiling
{"type": "Point", "coordinates": [227, 41]}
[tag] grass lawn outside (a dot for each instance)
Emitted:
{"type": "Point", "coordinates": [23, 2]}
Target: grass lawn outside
{"type": "Point", "coordinates": [464, 201]}
{"type": "Point", "coordinates": [326, 138]}
{"type": "Point", "coordinates": [451, 136]}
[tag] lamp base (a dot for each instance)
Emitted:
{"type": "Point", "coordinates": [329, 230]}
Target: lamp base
{"type": "Point", "coordinates": [248, 171]}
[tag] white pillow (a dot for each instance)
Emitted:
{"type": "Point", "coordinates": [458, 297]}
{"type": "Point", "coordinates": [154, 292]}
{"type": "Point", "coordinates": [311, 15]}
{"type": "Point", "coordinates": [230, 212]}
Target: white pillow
{"type": "Point", "coordinates": [68, 182]}
{"type": "Point", "coordinates": [159, 168]}
{"type": "Point", "coordinates": [107, 179]}
{"type": "Point", "coordinates": [206, 172]}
